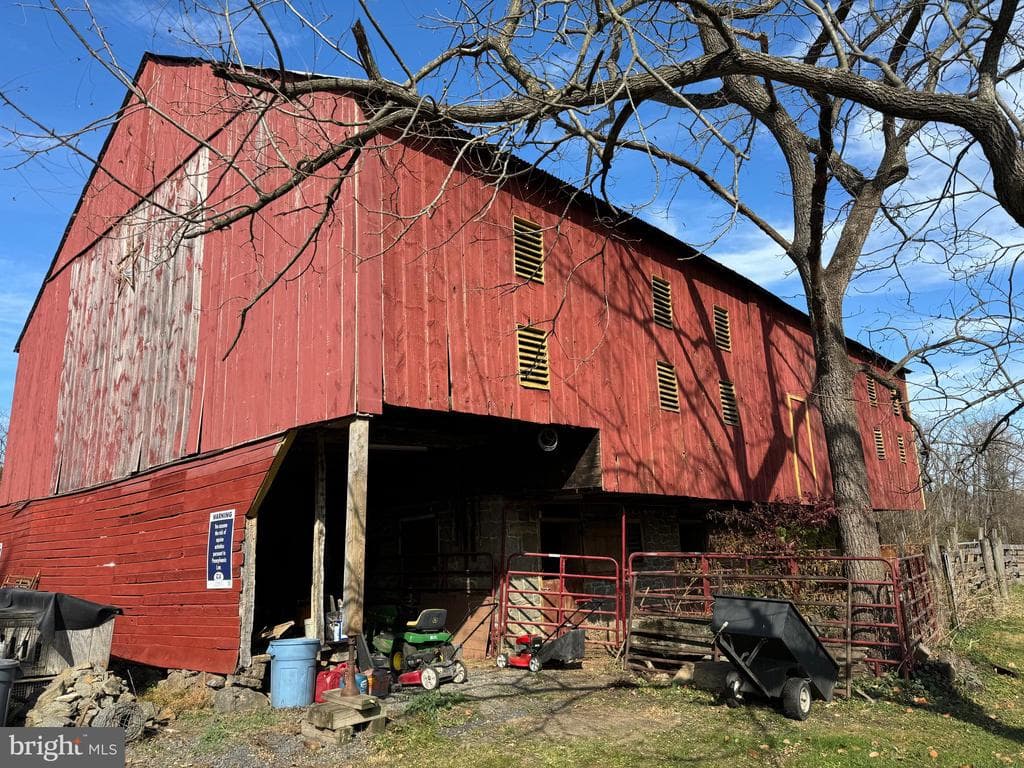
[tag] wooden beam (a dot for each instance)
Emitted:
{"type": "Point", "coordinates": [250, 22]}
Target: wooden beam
{"type": "Point", "coordinates": [355, 526]}
{"type": "Point", "coordinates": [316, 591]}
{"type": "Point", "coordinates": [279, 456]}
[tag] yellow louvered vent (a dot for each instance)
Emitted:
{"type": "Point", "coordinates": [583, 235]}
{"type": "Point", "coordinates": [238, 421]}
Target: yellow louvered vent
{"type": "Point", "coordinates": [668, 387]}
{"type": "Point", "coordinates": [730, 409]}
{"type": "Point", "coordinates": [723, 330]}
{"type": "Point", "coordinates": [533, 357]}
{"type": "Point", "coordinates": [879, 443]}
{"type": "Point", "coordinates": [528, 251]}
{"type": "Point", "coordinates": [872, 393]}
{"type": "Point", "coordinates": [902, 446]}
{"type": "Point", "coordinates": [661, 290]}
{"type": "Point", "coordinates": [897, 404]}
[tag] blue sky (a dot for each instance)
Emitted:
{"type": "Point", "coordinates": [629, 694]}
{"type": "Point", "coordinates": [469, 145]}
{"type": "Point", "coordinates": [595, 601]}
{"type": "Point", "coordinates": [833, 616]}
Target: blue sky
{"type": "Point", "coordinates": [49, 74]}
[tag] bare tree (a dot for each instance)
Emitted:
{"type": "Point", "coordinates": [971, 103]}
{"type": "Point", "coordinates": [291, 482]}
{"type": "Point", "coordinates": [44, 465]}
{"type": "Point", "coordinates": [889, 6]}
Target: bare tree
{"type": "Point", "coordinates": [803, 83]}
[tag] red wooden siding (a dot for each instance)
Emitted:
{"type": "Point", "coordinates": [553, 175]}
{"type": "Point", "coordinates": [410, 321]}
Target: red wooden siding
{"type": "Point", "coordinates": [141, 545]}
{"type": "Point", "coordinates": [452, 303]}
{"type": "Point", "coordinates": [141, 376]}
{"type": "Point", "coordinates": [428, 322]}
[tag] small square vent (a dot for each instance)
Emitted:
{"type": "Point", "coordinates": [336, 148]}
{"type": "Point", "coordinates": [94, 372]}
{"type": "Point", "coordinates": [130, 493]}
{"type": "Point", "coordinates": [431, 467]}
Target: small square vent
{"type": "Point", "coordinates": [668, 387]}
{"type": "Point", "coordinates": [528, 250]}
{"type": "Point", "coordinates": [730, 408]}
{"type": "Point", "coordinates": [879, 443]}
{"type": "Point", "coordinates": [661, 291]}
{"type": "Point", "coordinates": [532, 348]}
{"type": "Point", "coordinates": [723, 329]}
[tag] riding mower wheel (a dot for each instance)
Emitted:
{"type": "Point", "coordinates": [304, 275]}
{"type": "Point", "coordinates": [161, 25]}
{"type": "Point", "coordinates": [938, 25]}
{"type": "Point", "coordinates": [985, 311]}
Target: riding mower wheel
{"type": "Point", "coordinates": [397, 662]}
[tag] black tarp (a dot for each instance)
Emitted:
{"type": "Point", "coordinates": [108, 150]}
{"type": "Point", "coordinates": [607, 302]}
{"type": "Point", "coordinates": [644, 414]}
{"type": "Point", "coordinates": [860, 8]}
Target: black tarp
{"type": "Point", "coordinates": [54, 611]}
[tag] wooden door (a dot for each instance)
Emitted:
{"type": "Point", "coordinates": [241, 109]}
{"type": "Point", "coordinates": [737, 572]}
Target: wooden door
{"type": "Point", "coordinates": [804, 470]}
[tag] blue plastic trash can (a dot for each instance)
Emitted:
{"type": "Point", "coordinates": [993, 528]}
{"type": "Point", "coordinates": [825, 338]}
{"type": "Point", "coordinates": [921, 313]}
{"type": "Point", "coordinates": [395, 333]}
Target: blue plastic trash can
{"type": "Point", "coordinates": [293, 672]}
{"type": "Point", "coordinates": [10, 670]}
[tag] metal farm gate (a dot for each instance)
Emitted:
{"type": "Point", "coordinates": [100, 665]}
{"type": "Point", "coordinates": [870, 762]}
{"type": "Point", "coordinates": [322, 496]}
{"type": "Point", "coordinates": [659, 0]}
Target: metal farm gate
{"type": "Point", "coordinates": [542, 592]}
{"type": "Point", "coordinates": [872, 624]}
{"type": "Point", "coordinates": [656, 613]}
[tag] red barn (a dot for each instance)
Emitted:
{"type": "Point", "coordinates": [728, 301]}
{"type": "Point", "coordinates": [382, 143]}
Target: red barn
{"type": "Point", "coordinates": [453, 371]}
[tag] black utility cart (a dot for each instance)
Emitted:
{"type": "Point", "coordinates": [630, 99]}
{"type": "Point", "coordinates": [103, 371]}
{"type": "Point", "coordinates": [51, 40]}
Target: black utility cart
{"type": "Point", "coordinates": [775, 652]}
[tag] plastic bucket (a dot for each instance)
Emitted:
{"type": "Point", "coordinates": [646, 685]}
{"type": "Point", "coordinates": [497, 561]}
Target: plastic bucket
{"type": "Point", "coordinates": [10, 670]}
{"type": "Point", "coordinates": [293, 672]}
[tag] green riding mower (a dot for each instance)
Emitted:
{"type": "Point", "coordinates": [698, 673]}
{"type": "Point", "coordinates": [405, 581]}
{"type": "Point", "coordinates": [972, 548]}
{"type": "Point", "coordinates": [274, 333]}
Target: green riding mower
{"type": "Point", "coordinates": [421, 652]}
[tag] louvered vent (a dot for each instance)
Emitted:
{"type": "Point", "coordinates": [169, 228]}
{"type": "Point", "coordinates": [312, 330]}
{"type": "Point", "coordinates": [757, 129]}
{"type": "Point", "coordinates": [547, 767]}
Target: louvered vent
{"type": "Point", "coordinates": [902, 446]}
{"type": "Point", "coordinates": [533, 358]}
{"type": "Point", "coordinates": [730, 409]}
{"type": "Point", "coordinates": [872, 393]}
{"type": "Point", "coordinates": [528, 251]}
{"type": "Point", "coordinates": [897, 404]}
{"type": "Point", "coordinates": [723, 331]}
{"type": "Point", "coordinates": [662, 293]}
{"type": "Point", "coordinates": [879, 443]}
{"type": "Point", "coordinates": [668, 387]}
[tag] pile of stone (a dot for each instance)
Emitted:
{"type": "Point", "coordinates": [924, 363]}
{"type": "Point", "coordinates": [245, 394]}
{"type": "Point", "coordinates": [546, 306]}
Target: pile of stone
{"type": "Point", "coordinates": [340, 717]}
{"type": "Point", "coordinates": [240, 692]}
{"type": "Point", "coordinates": [88, 695]}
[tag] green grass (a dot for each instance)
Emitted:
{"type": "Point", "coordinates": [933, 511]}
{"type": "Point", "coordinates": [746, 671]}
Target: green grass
{"type": "Point", "coordinates": [924, 722]}
{"type": "Point", "coordinates": [217, 731]}
{"type": "Point", "coordinates": [927, 721]}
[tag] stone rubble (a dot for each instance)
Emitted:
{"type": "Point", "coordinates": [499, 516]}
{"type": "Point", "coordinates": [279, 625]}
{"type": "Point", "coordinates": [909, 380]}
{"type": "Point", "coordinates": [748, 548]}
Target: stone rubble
{"type": "Point", "coordinates": [77, 694]}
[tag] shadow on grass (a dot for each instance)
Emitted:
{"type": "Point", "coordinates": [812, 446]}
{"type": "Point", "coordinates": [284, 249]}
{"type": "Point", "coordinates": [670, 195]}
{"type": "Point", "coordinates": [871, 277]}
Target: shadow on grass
{"type": "Point", "coordinates": [933, 681]}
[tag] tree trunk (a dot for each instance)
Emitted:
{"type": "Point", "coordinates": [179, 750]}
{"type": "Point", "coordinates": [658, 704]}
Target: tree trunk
{"type": "Point", "coordinates": [834, 395]}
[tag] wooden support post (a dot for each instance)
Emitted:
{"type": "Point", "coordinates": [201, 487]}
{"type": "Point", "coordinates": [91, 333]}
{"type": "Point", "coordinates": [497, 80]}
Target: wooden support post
{"type": "Point", "coordinates": [1000, 564]}
{"type": "Point", "coordinates": [316, 591]}
{"type": "Point", "coordinates": [986, 558]}
{"type": "Point", "coordinates": [354, 586]}
{"type": "Point", "coordinates": [355, 525]}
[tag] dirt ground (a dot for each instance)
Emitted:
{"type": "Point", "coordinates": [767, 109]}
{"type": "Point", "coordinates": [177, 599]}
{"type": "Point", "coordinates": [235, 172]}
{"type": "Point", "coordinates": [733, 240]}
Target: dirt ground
{"type": "Point", "coordinates": [598, 716]}
{"type": "Point", "coordinates": [552, 704]}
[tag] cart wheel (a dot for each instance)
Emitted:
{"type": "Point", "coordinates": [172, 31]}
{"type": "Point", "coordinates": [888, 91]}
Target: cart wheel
{"type": "Point", "coordinates": [535, 665]}
{"type": "Point", "coordinates": [501, 661]}
{"type": "Point", "coordinates": [429, 678]}
{"type": "Point", "coordinates": [459, 674]}
{"type": "Point", "coordinates": [796, 698]}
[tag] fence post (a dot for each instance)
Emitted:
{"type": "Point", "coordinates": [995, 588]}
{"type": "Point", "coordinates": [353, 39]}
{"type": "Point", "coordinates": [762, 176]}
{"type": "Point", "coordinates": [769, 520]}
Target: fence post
{"type": "Point", "coordinates": [950, 580]}
{"type": "Point", "coordinates": [988, 561]}
{"type": "Point", "coordinates": [1000, 564]}
{"type": "Point", "coordinates": [935, 566]}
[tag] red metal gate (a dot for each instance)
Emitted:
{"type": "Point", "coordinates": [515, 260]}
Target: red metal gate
{"type": "Point", "coordinates": [540, 592]}
{"type": "Point", "coordinates": [858, 620]}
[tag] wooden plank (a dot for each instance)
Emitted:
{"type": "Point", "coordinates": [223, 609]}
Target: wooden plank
{"type": "Point", "coordinates": [355, 526]}
{"type": "Point", "coordinates": [316, 592]}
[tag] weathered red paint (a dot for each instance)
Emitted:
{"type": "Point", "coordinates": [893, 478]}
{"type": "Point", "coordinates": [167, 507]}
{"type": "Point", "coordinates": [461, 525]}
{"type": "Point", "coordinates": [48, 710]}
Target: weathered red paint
{"type": "Point", "coordinates": [452, 303]}
{"type": "Point", "coordinates": [427, 322]}
{"type": "Point", "coordinates": [111, 385]}
{"type": "Point", "coordinates": [140, 544]}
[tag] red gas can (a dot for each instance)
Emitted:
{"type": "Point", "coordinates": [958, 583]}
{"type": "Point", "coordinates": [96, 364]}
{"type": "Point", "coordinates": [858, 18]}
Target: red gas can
{"type": "Point", "coordinates": [328, 680]}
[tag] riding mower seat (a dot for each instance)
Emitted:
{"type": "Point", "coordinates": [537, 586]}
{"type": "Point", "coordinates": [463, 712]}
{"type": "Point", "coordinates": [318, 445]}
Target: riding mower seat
{"type": "Point", "coordinates": [429, 620]}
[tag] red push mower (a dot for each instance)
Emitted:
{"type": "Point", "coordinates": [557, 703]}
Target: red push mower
{"type": "Point", "coordinates": [533, 652]}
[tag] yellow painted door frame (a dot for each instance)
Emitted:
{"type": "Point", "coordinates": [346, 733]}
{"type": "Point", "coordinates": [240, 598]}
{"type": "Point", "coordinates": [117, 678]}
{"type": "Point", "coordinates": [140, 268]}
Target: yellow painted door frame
{"type": "Point", "coordinates": [790, 399]}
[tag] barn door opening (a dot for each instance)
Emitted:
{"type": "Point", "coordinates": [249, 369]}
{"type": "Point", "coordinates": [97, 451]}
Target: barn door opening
{"type": "Point", "coordinates": [805, 472]}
